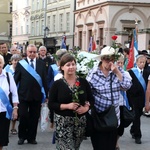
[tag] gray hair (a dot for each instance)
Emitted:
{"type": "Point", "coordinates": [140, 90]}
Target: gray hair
{"type": "Point", "coordinates": [31, 45]}
{"type": "Point", "coordinates": [140, 56]}
{"type": "Point", "coordinates": [2, 58]}
{"type": "Point", "coordinates": [15, 57]}
{"type": "Point", "coordinates": [121, 57]}
{"type": "Point", "coordinates": [42, 47]}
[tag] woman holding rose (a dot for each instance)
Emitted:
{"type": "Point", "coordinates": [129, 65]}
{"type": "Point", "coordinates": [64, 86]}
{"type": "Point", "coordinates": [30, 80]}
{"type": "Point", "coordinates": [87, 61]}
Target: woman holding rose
{"type": "Point", "coordinates": [70, 99]}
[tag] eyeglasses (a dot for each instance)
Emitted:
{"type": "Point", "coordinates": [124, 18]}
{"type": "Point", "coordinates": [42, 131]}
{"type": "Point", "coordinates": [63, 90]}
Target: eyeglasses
{"type": "Point", "coordinates": [32, 52]}
{"type": "Point", "coordinates": [108, 58]}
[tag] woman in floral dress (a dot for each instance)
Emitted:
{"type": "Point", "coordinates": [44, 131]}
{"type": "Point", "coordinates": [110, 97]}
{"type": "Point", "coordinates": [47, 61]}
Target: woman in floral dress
{"type": "Point", "coordinates": [70, 98]}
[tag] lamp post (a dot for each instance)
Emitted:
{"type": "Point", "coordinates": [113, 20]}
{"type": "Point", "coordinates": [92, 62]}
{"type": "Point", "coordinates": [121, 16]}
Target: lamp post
{"type": "Point", "coordinates": [46, 32]}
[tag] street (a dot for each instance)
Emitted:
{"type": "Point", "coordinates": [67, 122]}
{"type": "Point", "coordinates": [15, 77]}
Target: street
{"type": "Point", "coordinates": [44, 140]}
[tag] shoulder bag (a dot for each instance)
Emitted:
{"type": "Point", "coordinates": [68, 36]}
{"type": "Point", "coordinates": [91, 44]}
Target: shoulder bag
{"type": "Point", "coordinates": [106, 120]}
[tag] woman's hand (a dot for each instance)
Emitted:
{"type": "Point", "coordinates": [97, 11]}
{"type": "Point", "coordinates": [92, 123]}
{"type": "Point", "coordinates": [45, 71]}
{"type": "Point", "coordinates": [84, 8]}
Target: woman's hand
{"type": "Point", "coordinates": [15, 114]}
{"type": "Point", "coordinates": [82, 109]}
{"type": "Point", "coordinates": [73, 106]}
{"type": "Point", "coordinates": [114, 69]}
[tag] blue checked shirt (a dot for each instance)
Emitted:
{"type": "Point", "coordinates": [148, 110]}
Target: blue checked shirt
{"type": "Point", "coordinates": [101, 90]}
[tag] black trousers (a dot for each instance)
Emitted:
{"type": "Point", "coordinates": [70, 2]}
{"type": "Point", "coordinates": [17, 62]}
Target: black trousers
{"type": "Point", "coordinates": [104, 140]}
{"type": "Point", "coordinates": [136, 126]}
{"type": "Point", "coordinates": [29, 113]}
{"type": "Point", "coordinates": [4, 129]}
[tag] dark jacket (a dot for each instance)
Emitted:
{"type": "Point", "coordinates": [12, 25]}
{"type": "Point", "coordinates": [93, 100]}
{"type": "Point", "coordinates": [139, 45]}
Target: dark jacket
{"type": "Point", "coordinates": [29, 89]}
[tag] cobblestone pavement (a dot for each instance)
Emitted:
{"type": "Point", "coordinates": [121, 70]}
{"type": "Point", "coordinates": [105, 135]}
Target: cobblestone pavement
{"type": "Point", "coordinates": [44, 140]}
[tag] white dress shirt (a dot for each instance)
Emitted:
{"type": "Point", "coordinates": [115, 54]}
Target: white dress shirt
{"type": "Point", "coordinates": [6, 88]}
{"type": "Point", "coordinates": [34, 62]}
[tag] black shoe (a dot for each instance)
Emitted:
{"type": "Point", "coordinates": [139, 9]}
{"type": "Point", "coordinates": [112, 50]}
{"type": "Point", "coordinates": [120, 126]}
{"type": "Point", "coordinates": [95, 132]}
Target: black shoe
{"type": "Point", "coordinates": [32, 141]}
{"type": "Point", "coordinates": [138, 141]}
{"type": "Point", "coordinates": [21, 141]}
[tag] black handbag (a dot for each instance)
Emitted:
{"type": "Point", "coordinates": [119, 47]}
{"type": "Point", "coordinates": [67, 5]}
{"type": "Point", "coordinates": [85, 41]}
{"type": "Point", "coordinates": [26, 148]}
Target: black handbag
{"type": "Point", "coordinates": [128, 116]}
{"type": "Point", "coordinates": [106, 120]}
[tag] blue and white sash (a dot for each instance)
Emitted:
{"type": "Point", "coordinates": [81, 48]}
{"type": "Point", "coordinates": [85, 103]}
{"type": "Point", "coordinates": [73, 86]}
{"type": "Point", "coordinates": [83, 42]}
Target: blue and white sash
{"type": "Point", "coordinates": [33, 73]}
{"type": "Point", "coordinates": [55, 69]}
{"type": "Point", "coordinates": [140, 78]}
{"type": "Point", "coordinates": [123, 93]}
{"type": "Point", "coordinates": [6, 103]}
{"type": "Point", "coordinates": [7, 69]}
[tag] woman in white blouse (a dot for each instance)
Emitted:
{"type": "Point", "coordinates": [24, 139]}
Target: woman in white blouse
{"type": "Point", "coordinates": [6, 110]}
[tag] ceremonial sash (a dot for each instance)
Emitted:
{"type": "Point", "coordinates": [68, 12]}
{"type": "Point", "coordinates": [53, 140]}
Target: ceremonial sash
{"type": "Point", "coordinates": [6, 103]}
{"type": "Point", "coordinates": [7, 69]}
{"type": "Point", "coordinates": [140, 78]}
{"type": "Point", "coordinates": [33, 73]}
{"type": "Point", "coordinates": [123, 93]}
{"type": "Point", "coordinates": [55, 69]}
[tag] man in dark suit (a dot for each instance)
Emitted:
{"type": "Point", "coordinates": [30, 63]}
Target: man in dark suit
{"type": "Point", "coordinates": [136, 95]}
{"type": "Point", "coordinates": [42, 56]}
{"type": "Point", "coordinates": [31, 75]}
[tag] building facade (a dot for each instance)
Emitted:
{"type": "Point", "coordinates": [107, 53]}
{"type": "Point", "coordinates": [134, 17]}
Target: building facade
{"type": "Point", "coordinates": [103, 18]}
{"type": "Point", "coordinates": [21, 22]}
{"type": "Point", "coordinates": [60, 21]}
{"type": "Point", "coordinates": [37, 21]}
{"type": "Point", "coordinates": [6, 21]}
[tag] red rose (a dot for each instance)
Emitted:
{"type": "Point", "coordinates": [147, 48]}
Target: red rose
{"type": "Point", "coordinates": [77, 83]}
{"type": "Point", "coordinates": [114, 37]}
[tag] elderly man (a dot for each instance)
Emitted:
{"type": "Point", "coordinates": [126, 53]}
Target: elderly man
{"type": "Point", "coordinates": [42, 56]}
{"type": "Point", "coordinates": [136, 95]}
{"type": "Point", "coordinates": [30, 73]}
{"type": "Point", "coordinates": [13, 50]}
{"type": "Point", "coordinates": [6, 55]}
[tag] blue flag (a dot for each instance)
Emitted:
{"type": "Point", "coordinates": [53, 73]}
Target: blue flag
{"type": "Point", "coordinates": [63, 44]}
{"type": "Point", "coordinates": [90, 45]}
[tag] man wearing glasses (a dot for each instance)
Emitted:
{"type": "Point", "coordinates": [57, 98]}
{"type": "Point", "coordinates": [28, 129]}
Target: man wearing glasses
{"type": "Point", "coordinates": [31, 75]}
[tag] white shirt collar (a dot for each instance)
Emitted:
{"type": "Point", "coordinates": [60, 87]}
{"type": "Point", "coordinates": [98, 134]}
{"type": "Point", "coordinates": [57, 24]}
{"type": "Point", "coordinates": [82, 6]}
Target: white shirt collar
{"type": "Point", "coordinates": [139, 69]}
{"type": "Point", "coordinates": [30, 59]}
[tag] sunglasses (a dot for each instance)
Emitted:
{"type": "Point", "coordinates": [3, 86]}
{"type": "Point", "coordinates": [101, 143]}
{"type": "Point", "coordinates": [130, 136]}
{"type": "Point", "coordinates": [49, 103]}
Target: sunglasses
{"type": "Point", "coordinates": [32, 52]}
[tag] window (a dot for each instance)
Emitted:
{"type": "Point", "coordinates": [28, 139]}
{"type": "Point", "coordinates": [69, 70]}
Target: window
{"type": "Point", "coordinates": [27, 26]}
{"type": "Point", "coordinates": [48, 22]}
{"type": "Point", "coordinates": [43, 3]}
{"type": "Point", "coordinates": [10, 7]}
{"type": "Point", "coordinates": [37, 5]}
{"type": "Point", "coordinates": [42, 27]}
{"type": "Point", "coordinates": [80, 39]}
{"type": "Point", "coordinates": [16, 25]}
{"type": "Point", "coordinates": [10, 29]}
{"type": "Point", "coordinates": [21, 29]}
{"type": "Point", "coordinates": [27, 29]}
{"type": "Point", "coordinates": [37, 28]}
{"type": "Point", "coordinates": [27, 3]}
{"type": "Point", "coordinates": [33, 7]}
{"type": "Point", "coordinates": [32, 26]}
{"type": "Point", "coordinates": [68, 21]}
{"type": "Point", "coordinates": [54, 23]}
{"type": "Point", "coordinates": [129, 30]}
{"type": "Point", "coordinates": [61, 22]}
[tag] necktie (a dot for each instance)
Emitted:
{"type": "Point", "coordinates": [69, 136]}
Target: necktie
{"type": "Point", "coordinates": [32, 65]}
{"type": "Point", "coordinates": [141, 72]}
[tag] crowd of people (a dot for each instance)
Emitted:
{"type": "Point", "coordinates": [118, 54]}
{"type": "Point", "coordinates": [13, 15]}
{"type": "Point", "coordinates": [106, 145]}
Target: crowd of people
{"type": "Point", "coordinates": [28, 80]}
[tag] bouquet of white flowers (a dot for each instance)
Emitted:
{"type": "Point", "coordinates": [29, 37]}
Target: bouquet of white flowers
{"type": "Point", "coordinates": [85, 62]}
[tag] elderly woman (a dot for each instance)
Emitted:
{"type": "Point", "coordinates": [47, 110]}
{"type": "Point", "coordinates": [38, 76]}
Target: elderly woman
{"type": "Point", "coordinates": [6, 110]}
{"type": "Point", "coordinates": [11, 68]}
{"type": "Point", "coordinates": [100, 79]}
